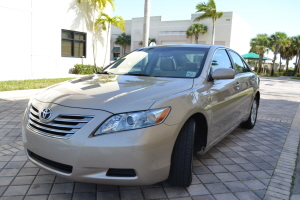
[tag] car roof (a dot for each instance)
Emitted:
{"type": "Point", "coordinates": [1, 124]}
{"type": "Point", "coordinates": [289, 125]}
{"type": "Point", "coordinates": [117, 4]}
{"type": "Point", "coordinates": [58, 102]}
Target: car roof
{"type": "Point", "coordinates": [186, 45]}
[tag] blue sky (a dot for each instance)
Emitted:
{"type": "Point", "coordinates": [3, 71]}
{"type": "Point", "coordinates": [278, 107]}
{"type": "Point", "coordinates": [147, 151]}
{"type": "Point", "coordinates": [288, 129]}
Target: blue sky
{"type": "Point", "coordinates": [264, 16]}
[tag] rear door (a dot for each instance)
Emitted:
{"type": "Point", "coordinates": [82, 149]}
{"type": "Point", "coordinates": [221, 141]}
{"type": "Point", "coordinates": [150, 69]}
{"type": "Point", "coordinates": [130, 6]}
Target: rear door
{"type": "Point", "coordinates": [224, 99]}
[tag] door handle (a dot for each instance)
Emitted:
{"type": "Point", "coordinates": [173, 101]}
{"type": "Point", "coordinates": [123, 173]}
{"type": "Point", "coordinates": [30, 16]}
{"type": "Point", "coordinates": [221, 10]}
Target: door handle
{"type": "Point", "coordinates": [237, 85]}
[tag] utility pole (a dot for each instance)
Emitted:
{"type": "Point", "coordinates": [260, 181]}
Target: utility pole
{"type": "Point", "coordinates": [146, 22]}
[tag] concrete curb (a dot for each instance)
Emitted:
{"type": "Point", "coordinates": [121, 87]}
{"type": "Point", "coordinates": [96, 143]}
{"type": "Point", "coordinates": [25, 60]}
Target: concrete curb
{"type": "Point", "coordinates": [280, 185]}
{"type": "Point", "coordinates": [18, 94]}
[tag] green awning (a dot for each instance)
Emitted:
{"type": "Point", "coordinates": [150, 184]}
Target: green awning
{"type": "Point", "coordinates": [116, 50]}
{"type": "Point", "coordinates": [252, 55]}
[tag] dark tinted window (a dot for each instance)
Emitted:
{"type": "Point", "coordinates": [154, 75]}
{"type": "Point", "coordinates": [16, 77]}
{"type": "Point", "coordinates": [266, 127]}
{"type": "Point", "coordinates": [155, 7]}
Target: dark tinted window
{"type": "Point", "coordinates": [238, 63]}
{"type": "Point", "coordinates": [73, 43]}
{"type": "Point", "coordinates": [220, 60]}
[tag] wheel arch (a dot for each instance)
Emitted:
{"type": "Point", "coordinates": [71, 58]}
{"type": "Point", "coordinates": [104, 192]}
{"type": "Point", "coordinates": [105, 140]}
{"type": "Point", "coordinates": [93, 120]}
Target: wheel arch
{"type": "Point", "coordinates": [201, 129]}
{"type": "Point", "coordinates": [257, 96]}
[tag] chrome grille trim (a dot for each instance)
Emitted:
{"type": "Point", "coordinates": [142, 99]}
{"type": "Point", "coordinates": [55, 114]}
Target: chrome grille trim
{"type": "Point", "coordinates": [63, 126]}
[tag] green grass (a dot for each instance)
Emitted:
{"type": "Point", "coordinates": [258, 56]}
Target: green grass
{"type": "Point", "coordinates": [29, 84]}
{"type": "Point", "coordinates": [296, 78]}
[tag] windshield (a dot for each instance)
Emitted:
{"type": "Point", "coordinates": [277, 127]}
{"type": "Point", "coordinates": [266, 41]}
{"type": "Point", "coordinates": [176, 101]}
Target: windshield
{"type": "Point", "coordinates": [182, 62]}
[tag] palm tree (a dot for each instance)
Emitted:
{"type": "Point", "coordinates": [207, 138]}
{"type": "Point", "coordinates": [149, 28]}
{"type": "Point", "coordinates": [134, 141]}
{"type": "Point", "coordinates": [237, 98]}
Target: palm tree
{"type": "Point", "coordinates": [123, 40]}
{"type": "Point", "coordinates": [284, 50]}
{"type": "Point", "coordinates": [195, 29]}
{"type": "Point", "coordinates": [96, 6]}
{"type": "Point", "coordinates": [210, 11]}
{"type": "Point", "coordinates": [296, 43]}
{"type": "Point", "coordinates": [104, 21]}
{"type": "Point", "coordinates": [277, 40]}
{"type": "Point", "coordinates": [259, 45]}
{"type": "Point", "coordinates": [288, 53]}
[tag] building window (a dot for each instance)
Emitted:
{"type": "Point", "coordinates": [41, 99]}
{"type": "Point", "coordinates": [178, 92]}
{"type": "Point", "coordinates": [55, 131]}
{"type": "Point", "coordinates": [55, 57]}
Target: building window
{"type": "Point", "coordinates": [116, 52]}
{"type": "Point", "coordinates": [73, 44]}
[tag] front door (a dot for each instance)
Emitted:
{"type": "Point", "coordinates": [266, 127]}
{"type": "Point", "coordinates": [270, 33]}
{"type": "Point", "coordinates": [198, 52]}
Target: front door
{"type": "Point", "coordinates": [224, 99]}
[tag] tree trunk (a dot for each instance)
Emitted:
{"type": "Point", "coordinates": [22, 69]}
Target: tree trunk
{"type": "Point", "coordinates": [124, 50]}
{"type": "Point", "coordinates": [280, 62]}
{"type": "Point", "coordinates": [297, 62]}
{"type": "Point", "coordinates": [297, 66]}
{"type": "Point", "coordinates": [94, 40]}
{"type": "Point", "coordinates": [196, 38]}
{"type": "Point", "coordinates": [260, 63]}
{"type": "Point", "coordinates": [213, 33]}
{"type": "Point", "coordinates": [94, 48]}
{"type": "Point", "coordinates": [287, 64]}
{"type": "Point", "coordinates": [273, 66]}
{"type": "Point", "coordinates": [275, 55]}
{"type": "Point", "coordinates": [106, 45]}
{"type": "Point", "coordinates": [146, 22]}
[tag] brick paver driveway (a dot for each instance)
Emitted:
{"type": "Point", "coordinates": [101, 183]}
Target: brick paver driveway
{"type": "Point", "coordinates": [248, 164]}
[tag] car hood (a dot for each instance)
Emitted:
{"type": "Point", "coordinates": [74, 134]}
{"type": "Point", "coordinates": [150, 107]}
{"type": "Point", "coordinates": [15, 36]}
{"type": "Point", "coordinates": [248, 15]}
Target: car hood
{"type": "Point", "coordinates": [113, 93]}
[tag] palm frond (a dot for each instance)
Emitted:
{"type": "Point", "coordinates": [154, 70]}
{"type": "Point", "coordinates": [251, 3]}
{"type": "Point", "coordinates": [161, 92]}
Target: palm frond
{"type": "Point", "coordinates": [219, 14]}
{"type": "Point", "coordinates": [203, 16]}
{"type": "Point", "coordinates": [101, 22]}
{"type": "Point", "coordinates": [202, 7]}
{"type": "Point", "coordinates": [101, 4]}
{"type": "Point", "coordinates": [123, 39]}
{"type": "Point", "coordinates": [212, 4]}
{"type": "Point", "coordinates": [196, 29]}
{"type": "Point", "coordinates": [104, 19]}
{"type": "Point", "coordinates": [119, 22]}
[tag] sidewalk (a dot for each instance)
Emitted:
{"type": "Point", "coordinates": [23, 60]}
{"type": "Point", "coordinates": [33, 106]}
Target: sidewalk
{"type": "Point", "coordinates": [19, 94]}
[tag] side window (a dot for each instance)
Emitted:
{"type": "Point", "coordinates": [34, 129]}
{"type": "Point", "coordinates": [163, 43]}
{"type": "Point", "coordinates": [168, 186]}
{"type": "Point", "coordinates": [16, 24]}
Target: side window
{"type": "Point", "coordinates": [220, 60]}
{"type": "Point", "coordinates": [238, 63]}
{"type": "Point", "coordinates": [247, 68]}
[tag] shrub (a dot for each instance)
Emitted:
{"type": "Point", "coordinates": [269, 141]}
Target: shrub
{"type": "Point", "coordinates": [298, 75]}
{"type": "Point", "coordinates": [85, 69]}
{"type": "Point", "coordinates": [278, 73]}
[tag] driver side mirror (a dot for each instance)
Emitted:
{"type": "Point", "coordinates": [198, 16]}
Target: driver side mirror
{"type": "Point", "coordinates": [223, 73]}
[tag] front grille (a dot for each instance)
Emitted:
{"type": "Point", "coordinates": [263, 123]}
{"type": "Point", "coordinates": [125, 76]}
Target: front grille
{"type": "Point", "coordinates": [55, 165]}
{"type": "Point", "coordinates": [63, 126]}
{"type": "Point", "coordinates": [121, 172]}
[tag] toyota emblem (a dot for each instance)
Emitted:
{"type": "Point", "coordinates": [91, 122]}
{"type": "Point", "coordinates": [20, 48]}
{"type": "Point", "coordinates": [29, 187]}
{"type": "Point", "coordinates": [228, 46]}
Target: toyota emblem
{"type": "Point", "coordinates": [46, 113]}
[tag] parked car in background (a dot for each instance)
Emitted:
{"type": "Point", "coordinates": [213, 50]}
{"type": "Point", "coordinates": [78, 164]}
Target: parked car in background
{"type": "Point", "coordinates": [140, 120]}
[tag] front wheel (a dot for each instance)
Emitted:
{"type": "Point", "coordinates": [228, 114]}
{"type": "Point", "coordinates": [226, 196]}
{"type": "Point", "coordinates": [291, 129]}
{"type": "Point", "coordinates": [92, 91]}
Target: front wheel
{"type": "Point", "coordinates": [250, 123]}
{"type": "Point", "coordinates": [182, 156]}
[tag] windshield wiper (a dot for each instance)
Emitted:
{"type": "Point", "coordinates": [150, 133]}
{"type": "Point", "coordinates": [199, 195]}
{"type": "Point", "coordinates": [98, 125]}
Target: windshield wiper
{"type": "Point", "coordinates": [138, 74]}
{"type": "Point", "coordinates": [103, 72]}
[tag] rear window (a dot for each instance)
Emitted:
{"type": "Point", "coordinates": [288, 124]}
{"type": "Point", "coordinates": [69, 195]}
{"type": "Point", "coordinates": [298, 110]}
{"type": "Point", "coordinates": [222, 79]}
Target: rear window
{"type": "Point", "coordinates": [177, 62]}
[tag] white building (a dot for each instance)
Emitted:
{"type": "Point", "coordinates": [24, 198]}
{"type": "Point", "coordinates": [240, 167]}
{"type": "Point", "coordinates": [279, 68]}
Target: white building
{"type": "Point", "coordinates": [43, 39]}
{"type": "Point", "coordinates": [231, 31]}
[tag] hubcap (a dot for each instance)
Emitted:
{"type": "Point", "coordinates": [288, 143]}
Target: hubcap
{"type": "Point", "coordinates": [253, 112]}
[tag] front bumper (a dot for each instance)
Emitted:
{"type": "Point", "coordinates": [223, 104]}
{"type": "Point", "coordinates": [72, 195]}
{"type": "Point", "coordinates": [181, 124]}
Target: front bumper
{"type": "Point", "coordinates": [147, 151]}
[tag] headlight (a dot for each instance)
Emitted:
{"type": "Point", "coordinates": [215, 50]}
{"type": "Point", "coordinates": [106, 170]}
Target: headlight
{"type": "Point", "coordinates": [133, 120]}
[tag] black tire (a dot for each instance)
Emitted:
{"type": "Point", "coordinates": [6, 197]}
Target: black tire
{"type": "Point", "coordinates": [182, 156]}
{"type": "Point", "coordinates": [250, 122]}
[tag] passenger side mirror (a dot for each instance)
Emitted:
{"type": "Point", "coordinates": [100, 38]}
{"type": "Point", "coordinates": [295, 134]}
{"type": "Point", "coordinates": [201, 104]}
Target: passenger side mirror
{"type": "Point", "coordinates": [223, 73]}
